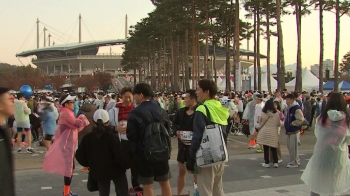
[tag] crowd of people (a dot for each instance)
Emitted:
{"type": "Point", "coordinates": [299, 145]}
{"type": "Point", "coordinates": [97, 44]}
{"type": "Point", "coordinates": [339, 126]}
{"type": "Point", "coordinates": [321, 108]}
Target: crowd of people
{"type": "Point", "coordinates": [110, 133]}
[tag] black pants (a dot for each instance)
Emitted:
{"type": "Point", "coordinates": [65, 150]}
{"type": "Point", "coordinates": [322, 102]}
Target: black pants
{"type": "Point", "coordinates": [267, 154]}
{"type": "Point", "coordinates": [120, 183]}
{"type": "Point", "coordinates": [134, 177]}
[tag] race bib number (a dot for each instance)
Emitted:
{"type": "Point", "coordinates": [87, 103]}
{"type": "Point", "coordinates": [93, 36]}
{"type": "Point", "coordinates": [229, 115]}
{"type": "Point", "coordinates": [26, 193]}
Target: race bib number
{"type": "Point", "coordinates": [186, 137]}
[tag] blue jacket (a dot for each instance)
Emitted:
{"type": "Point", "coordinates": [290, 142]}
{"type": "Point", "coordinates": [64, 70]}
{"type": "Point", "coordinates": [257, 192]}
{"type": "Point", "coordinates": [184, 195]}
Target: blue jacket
{"type": "Point", "coordinates": [292, 123]}
{"type": "Point", "coordinates": [48, 119]}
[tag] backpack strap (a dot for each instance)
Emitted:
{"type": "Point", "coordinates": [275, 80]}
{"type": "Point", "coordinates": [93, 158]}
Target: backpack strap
{"type": "Point", "coordinates": [208, 116]}
{"type": "Point", "coordinates": [144, 118]}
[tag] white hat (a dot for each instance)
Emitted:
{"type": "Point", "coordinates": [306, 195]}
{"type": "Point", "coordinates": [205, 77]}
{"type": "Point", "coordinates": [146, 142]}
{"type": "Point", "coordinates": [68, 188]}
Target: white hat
{"type": "Point", "coordinates": [68, 98]}
{"type": "Point", "coordinates": [183, 95]}
{"type": "Point", "coordinates": [101, 114]}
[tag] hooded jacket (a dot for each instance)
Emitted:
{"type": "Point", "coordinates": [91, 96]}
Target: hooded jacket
{"type": "Point", "coordinates": [293, 119]}
{"type": "Point", "coordinates": [218, 115]}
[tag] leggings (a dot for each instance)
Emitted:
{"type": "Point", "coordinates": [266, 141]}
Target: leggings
{"type": "Point", "coordinates": [120, 184]}
{"type": "Point", "coordinates": [267, 154]}
{"type": "Point", "coordinates": [67, 180]}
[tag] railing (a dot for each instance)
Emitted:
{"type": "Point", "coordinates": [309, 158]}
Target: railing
{"type": "Point", "coordinates": [78, 57]}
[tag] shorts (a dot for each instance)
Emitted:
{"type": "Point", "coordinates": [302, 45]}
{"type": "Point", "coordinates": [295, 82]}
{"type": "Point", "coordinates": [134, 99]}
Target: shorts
{"type": "Point", "coordinates": [20, 130]}
{"type": "Point", "coordinates": [48, 137]}
{"type": "Point", "coordinates": [183, 153]}
{"type": "Point", "coordinates": [150, 172]}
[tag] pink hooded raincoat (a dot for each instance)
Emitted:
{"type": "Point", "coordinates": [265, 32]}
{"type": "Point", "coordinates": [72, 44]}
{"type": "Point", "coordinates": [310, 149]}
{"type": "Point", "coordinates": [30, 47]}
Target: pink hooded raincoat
{"type": "Point", "coordinates": [59, 158]}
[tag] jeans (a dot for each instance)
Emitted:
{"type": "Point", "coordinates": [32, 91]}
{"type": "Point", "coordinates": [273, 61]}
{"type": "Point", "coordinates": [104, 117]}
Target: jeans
{"type": "Point", "coordinates": [120, 183]}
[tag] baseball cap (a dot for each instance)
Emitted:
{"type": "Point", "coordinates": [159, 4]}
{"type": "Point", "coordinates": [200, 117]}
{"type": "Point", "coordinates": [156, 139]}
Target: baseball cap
{"type": "Point", "coordinates": [101, 114]}
{"type": "Point", "coordinates": [347, 98]}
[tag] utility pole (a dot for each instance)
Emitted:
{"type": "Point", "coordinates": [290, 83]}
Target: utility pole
{"type": "Point", "coordinates": [126, 26]}
{"type": "Point", "coordinates": [79, 28]}
{"type": "Point", "coordinates": [45, 36]}
{"type": "Point", "coordinates": [37, 33]}
{"type": "Point", "coordinates": [49, 39]}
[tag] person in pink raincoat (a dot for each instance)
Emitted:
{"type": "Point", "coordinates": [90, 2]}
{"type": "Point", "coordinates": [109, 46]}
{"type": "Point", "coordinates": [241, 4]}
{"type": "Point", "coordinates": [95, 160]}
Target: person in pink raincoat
{"type": "Point", "coordinates": [59, 158]}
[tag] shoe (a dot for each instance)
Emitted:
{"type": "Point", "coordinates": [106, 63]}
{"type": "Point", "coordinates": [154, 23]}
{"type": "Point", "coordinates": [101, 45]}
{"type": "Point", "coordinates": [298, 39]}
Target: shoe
{"type": "Point", "coordinates": [252, 147]}
{"type": "Point", "coordinates": [72, 194]}
{"type": "Point", "coordinates": [275, 165]}
{"type": "Point", "coordinates": [85, 169]}
{"type": "Point", "coordinates": [138, 189]}
{"type": "Point", "coordinates": [239, 133]}
{"type": "Point", "coordinates": [280, 161]}
{"type": "Point", "coordinates": [266, 165]}
{"type": "Point", "coordinates": [292, 166]}
{"type": "Point", "coordinates": [30, 150]}
{"type": "Point", "coordinates": [19, 150]}
{"type": "Point", "coordinates": [259, 150]}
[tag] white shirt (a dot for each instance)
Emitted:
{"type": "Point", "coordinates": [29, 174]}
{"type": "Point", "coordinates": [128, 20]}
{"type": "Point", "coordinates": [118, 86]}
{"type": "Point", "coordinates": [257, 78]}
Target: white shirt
{"type": "Point", "coordinates": [257, 114]}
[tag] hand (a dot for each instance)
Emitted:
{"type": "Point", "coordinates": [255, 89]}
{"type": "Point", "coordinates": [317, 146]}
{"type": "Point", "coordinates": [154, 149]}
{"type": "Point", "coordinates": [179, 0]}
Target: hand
{"type": "Point", "coordinates": [190, 165]}
{"type": "Point", "coordinates": [121, 129]}
{"type": "Point", "coordinates": [178, 134]}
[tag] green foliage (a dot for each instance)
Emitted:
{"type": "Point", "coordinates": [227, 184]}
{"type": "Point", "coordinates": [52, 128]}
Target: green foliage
{"type": "Point", "coordinates": [345, 64]}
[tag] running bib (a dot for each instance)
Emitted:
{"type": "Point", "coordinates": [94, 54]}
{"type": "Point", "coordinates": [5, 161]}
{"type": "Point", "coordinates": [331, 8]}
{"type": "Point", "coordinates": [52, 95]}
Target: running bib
{"type": "Point", "coordinates": [186, 137]}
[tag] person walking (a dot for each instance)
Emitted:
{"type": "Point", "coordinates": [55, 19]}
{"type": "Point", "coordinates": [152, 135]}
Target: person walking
{"type": "Point", "coordinates": [270, 124]}
{"type": "Point", "coordinates": [328, 170]}
{"type": "Point", "coordinates": [209, 178]}
{"type": "Point", "coordinates": [59, 159]}
{"type": "Point", "coordinates": [100, 151]}
{"type": "Point", "coordinates": [6, 158]}
{"type": "Point", "coordinates": [292, 124]}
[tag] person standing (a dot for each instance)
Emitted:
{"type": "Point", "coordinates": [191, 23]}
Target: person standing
{"type": "Point", "coordinates": [292, 124]}
{"type": "Point", "coordinates": [59, 159]}
{"type": "Point", "coordinates": [6, 159]}
{"type": "Point", "coordinates": [209, 178]}
{"type": "Point", "coordinates": [327, 171]}
{"type": "Point", "coordinates": [183, 125]}
{"type": "Point", "coordinates": [22, 113]}
{"type": "Point", "coordinates": [137, 127]}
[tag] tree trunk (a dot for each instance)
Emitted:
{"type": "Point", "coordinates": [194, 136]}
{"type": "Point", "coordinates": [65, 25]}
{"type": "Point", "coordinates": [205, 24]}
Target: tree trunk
{"type": "Point", "coordinates": [336, 52]}
{"type": "Point", "coordinates": [258, 47]}
{"type": "Point", "coordinates": [187, 80]}
{"type": "Point", "coordinates": [228, 55]}
{"type": "Point", "coordinates": [194, 68]}
{"type": "Point", "coordinates": [153, 67]}
{"type": "Point", "coordinates": [255, 54]}
{"type": "Point", "coordinates": [176, 77]}
{"type": "Point", "coordinates": [298, 81]}
{"type": "Point", "coordinates": [237, 78]}
{"type": "Point", "coordinates": [320, 68]}
{"type": "Point", "coordinates": [173, 81]}
{"type": "Point", "coordinates": [268, 71]}
{"type": "Point", "coordinates": [214, 63]}
{"type": "Point", "coordinates": [206, 43]}
{"type": "Point", "coordinates": [159, 69]}
{"type": "Point", "coordinates": [281, 79]}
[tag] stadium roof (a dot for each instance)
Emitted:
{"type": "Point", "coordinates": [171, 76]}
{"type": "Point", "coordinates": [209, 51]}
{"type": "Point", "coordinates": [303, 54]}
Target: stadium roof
{"type": "Point", "coordinates": [72, 47]}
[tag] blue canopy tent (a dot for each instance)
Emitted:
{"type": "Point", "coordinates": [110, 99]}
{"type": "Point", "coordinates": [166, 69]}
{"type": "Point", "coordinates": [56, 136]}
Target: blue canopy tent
{"type": "Point", "coordinates": [328, 86]}
{"type": "Point", "coordinates": [344, 86]}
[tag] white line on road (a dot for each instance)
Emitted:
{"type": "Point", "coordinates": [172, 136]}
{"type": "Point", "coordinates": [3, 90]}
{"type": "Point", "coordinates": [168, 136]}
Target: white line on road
{"type": "Point", "coordinates": [46, 188]}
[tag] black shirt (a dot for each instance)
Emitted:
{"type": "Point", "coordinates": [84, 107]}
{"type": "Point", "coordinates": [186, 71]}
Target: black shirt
{"type": "Point", "coordinates": [6, 163]}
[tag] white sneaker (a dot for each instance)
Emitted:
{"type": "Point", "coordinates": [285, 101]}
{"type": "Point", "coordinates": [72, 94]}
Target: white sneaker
{"type": "Point", "coordinates": [275, 165]}
{"type": "Point", "coordinates": [239, 133]}
{"type": "Point", "coordinates": [253, 146]}
{"type": "Point", "coordinates": [265, 165]}
{"type": "Point", "coordinates": [292, 166]}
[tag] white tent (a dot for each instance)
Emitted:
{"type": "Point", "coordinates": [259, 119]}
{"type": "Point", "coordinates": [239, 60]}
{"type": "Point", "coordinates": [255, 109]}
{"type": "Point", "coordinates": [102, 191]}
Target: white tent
{"type": "Point", "coordinates": [264, 86]}
{"type": "Point", "coordinates": [310, 81]}
{"type": "Point", "coordinates": [221, 83]}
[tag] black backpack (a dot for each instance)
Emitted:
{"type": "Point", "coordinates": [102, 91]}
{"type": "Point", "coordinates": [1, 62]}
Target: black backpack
{"type": "Point", "coordinates": [157, 142]}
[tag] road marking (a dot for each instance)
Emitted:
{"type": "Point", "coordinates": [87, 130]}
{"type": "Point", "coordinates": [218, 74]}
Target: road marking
{"type": "Point", "coordinates": [301, 154]}
{"type": "Point", "coordinates": [252, 158]}
{"type": "Point", "coordinates": [226, 165]}
{"type": "Point", "coordinates": [84, 180]}
{"type": "Point", "coordinates": [75, 174]}
{"type": "Point", "coordinates": [266, 176]}
{"type": "Point", "coordinates": [46, 188]}
{"type": "Point", "coordinates": [301, 170]}
{"type": "Point", "coordinates": [307, 159]}
{"type": "Point", "coordinates": [33, 155]}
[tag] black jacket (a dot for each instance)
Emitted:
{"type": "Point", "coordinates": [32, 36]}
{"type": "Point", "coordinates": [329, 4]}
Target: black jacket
{"type": "Point", "coordinates": [101, 152]}
{"type": "Point", "coordinates": [7, 186]}
{"type": "Point", "coordinates": [135, 127]}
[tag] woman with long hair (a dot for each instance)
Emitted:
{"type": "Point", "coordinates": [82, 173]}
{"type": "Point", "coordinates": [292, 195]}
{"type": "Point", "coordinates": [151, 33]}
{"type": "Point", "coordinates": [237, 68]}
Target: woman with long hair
{"type": "Point", "coordinates": [100, 151]}
{"type": "Point", "coordinates": [270, 123]}
{"type": "Point", "coordinates": [59, 158]}
{"type": "Point", "coordinates": [328, 171]}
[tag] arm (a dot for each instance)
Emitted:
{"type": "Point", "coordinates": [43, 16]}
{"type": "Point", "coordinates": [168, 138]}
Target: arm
{"type": "Point", "coordinates": [176, 122]}
{"type": "Point", "coordinates": [75, 123]}
{"type": "Point", "coordinates": [131, 129]}
{"type": "Point", "coordinates": [198, 130]}
{"type": "Point", "coordinates": [80, 154]}
{"type": "Point", "coordinates": [299, 118]}
{"type": "Point", "coordinates": [26, 109]}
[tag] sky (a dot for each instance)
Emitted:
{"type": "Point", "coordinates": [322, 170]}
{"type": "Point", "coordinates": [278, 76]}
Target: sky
{"type": "Point", "coordinates": [105, 19]}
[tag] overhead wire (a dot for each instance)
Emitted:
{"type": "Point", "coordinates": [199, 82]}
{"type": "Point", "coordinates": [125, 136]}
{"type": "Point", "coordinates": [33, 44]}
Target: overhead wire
{"type": "Point", "coordinates": [73, 24]}
{"type": "Point", "coordinates": [88, 31]}
{"type": "Point", "coordinates": [54, 29]}
{"type": "Point", "coordinates": [25, 41]}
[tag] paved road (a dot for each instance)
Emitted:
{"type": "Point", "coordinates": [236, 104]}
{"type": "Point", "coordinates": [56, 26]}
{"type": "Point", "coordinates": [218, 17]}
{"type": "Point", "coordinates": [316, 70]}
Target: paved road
{"type": "Point", "coordinates": [243, 173]}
